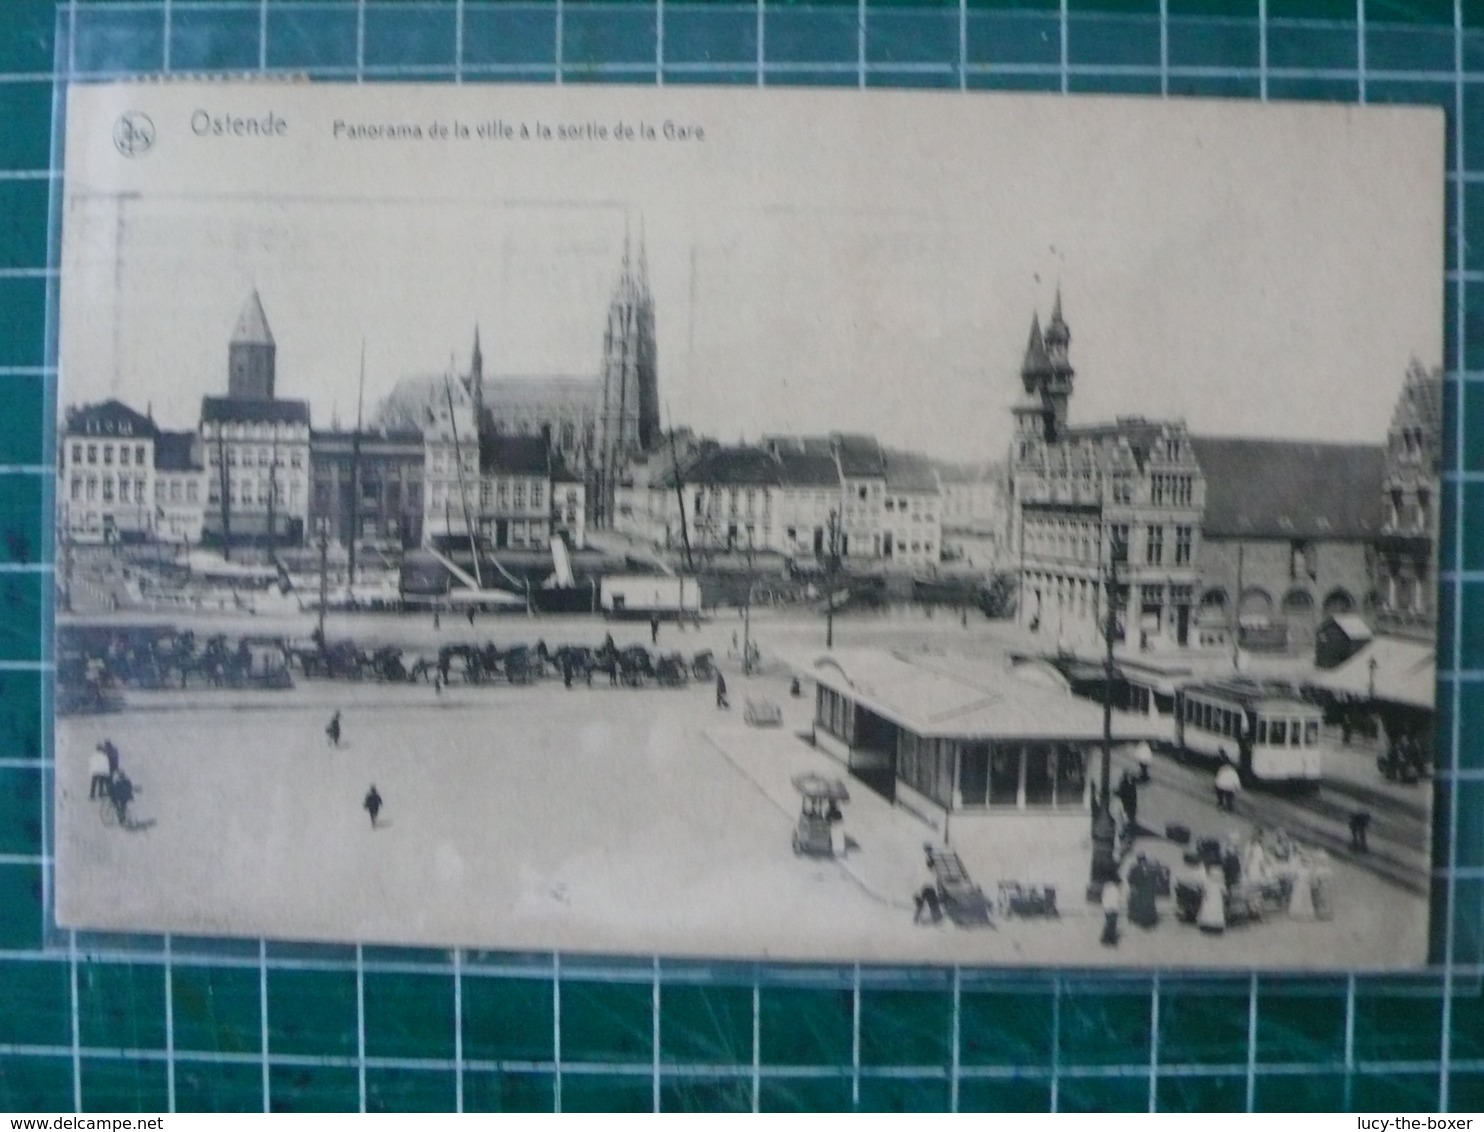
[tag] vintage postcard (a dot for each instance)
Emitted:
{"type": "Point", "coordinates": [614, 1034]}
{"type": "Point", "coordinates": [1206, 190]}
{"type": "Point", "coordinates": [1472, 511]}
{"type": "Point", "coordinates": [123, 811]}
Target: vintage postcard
{"type": "Point", "coordinates": [818, 525]}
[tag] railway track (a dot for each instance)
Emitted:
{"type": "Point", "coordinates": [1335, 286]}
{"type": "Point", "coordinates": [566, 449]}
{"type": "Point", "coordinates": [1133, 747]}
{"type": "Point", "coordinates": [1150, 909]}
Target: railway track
{"type": "Point", "coordinates": [1400, 835]}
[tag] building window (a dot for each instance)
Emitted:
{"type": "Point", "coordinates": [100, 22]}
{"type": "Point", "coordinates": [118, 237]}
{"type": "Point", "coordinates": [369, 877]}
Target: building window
{"type": "Point", "coordinates": [296, 459]}
{"type": "Point", "coordinates": [77, 453]}
{"type": "Point", "coordinates": [92, 453]}
{"type": "Point", "coordinates": [1182, 545]}
{"type": "Point", "coordinates": [175, 491]}
{"type": "Point", "coordinates": [124, 489]}
{"type": "Point", "coordinates": [76, 489]}
{"type": "Point", "coordinates": [1123, 490]}
{"type": "Point", "coordinates": [1154, 546]}
{"type": "Point", "coordinates": [139, 454]}
{"type": "Point", "coordinates": [92, 488]}
{"type": "Point", "coordinates": [518, 495]}
{"type": "Point", "coordinates": [107, 489]}
{"type": "Point", "coordinates": [108, 454]}
{"type": "Point", "coordinates": [502, 496]}
{"type": "Point", "coordinates": [1118, 538]}
{"type": "Point", "coordinates": [191, 493]}
{"type": "Point", "coordinates": [124, 455]}
{"type": "Point", "coordinates": [538, 494]}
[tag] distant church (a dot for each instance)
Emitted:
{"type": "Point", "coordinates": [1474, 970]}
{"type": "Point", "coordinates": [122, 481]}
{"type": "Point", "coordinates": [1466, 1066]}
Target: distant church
{"type": "Point", "coordinates": [598, 425]}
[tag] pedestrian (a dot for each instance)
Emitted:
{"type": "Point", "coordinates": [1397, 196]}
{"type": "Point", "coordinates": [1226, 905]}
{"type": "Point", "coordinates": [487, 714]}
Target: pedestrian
{"type": "Point", "coordinates": [721, 691]}
{"type": "Point", "coordinates": [438, 685]}
{"type": "Point", "coordinates": [1212, 917]}
{"type": "Point", "coordinates": [435, 619]}
{"type": "Point", "coordinates": [734, 644]}
{"type": "Point", "coordinates": [1143, 885]}
{"type": "Point", "coordinates": [927, 906]}
{"type": "Point", "coordinates": [1228, 785]}
{"type": "Point", "coordinates": [1112, 908]}
{"type": "Point", "coordinates": [100, 774]}
{"type": "Point", "coordinates": [1360, 824]}
{"type": "Point", "coordinates": [471, 617]}
{"type": "Point", "coordinates": [121, 793]}
{"type": "Point", "coordinates": [111, 753]}
{"type": "Point", "coordinates": [1144, 756]}
{"type": "Point", "coordinates": [332, 731]}
{"type": "Point", "coordinates": [372, 804]}
{"type": "Point", "coordinates": [567, 671]}
{"type": "Point", "coordinates": [654, 630]}
{"type": "Point", "coordinates": [1128, 794]}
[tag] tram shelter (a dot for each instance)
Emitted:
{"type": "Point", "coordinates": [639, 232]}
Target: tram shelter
{"type": "Point", "coordinates": [951, 734]}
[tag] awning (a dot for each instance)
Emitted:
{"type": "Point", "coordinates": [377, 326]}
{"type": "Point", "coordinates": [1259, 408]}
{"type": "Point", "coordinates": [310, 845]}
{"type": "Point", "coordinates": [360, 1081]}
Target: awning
{"type": "Point", "coordinates": [1394, 671]}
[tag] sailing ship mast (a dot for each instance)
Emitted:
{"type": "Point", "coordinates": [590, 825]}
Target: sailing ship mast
{"type": "Point", "coordinates": [355, 481]}
{"type": "Point", "coordinates": [458, 460]}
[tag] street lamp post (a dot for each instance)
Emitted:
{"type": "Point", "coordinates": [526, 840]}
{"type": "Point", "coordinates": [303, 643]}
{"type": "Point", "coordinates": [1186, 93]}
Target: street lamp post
{"type": "Point", "coordinates": [1104, 835]}
{"type": "Point", "coordinates": [324, 576]}
{"type": "Point", "coordinates": [747, 612]}
{"type": "Point", "coordinates": [832, 567]}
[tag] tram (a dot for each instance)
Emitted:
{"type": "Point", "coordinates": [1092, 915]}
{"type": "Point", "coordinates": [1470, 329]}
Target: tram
{"type": "Point", "coordinates": [1268, 732]}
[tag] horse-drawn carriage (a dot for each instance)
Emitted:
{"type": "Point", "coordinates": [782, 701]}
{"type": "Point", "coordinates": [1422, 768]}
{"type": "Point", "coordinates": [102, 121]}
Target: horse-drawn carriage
{"type": "Point", "coordinates": [672, 670]}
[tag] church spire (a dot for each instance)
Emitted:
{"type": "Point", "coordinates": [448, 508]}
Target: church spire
{"type": "Point", "coordinates": [476, 363]}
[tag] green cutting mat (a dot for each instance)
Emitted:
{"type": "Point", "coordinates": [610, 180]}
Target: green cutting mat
{"type": "Point", "coordinates": [150, 1023]}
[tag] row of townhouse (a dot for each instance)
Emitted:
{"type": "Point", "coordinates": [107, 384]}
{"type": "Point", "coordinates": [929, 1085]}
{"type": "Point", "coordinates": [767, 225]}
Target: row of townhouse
{"type": "Point", "coordinates": [802, 497]}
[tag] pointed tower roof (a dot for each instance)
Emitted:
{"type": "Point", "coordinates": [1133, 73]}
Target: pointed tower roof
{"type": "Point", "coordinates": [252, 324]}
{"type": "Point", "coordinates": [476, 362]}
{"type": "Point", "coordinates": [1037, 361]}
{"type": "Point", "coordinates": [1057, 332]}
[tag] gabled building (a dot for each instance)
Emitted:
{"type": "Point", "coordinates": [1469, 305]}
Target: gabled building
{"type": "Point", "coordinates": [975, 516]}
{"type": "Point", "coordinates": [180, 487]}
{"type": "Point", "coordinates": [809, 495]}
{"type": "Point", "coordinates": [107, 474]}
{"type": "Point", "coordinates": [862, 467]}
{"type": "Point", "coordinates": [1407, 547]}
{"type": "Point", "coordinates": [912, 513]}
{"type": "Point", "coordinates": [732, 496]}
{"type": "Point", "coordinates": [515, 482]}
{"type": "Point", "coordinates": [256, 454]}
{"type": "Point", "coordinates": [368, 486]}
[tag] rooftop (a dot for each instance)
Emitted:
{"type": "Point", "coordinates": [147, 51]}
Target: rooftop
{"type": "Point", "coordinates": [1290, 489]}
{"type": "Point", "coordinates": [244, 410]}
{"type": "Point", "coordinates": [111, 418]}
{"type": "Point", "coordinates": [1406, 672]}
{"type": "Point", "coordinates": [934, 695]}
{"type": "Point", "coordinates": [906, 472]}
{"type": "Point", "coordinates": [176, 452]}
{"type": "Point", "coordinates": [515, 455]}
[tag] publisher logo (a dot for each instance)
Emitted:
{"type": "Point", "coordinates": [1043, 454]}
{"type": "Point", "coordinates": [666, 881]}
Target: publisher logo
{"type": "Point", "coordinates": [134, 134]}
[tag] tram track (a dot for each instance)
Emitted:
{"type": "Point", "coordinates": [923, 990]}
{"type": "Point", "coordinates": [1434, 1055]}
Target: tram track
{"type": "Point", "coordinates": [1399, 834]}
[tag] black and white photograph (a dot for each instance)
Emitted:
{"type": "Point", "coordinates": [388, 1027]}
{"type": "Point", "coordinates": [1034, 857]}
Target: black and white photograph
{"type": "Point", "coordinates": [910, 527]}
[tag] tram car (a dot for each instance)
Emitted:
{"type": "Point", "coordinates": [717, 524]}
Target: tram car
{"type": "Point", "coordinates": [1264, 727]}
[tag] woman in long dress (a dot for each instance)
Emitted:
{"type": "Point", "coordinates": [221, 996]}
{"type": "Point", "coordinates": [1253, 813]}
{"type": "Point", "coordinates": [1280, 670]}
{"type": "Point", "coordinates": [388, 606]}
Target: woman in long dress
{"type": "Point", "coordinates": [1212, 916]}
